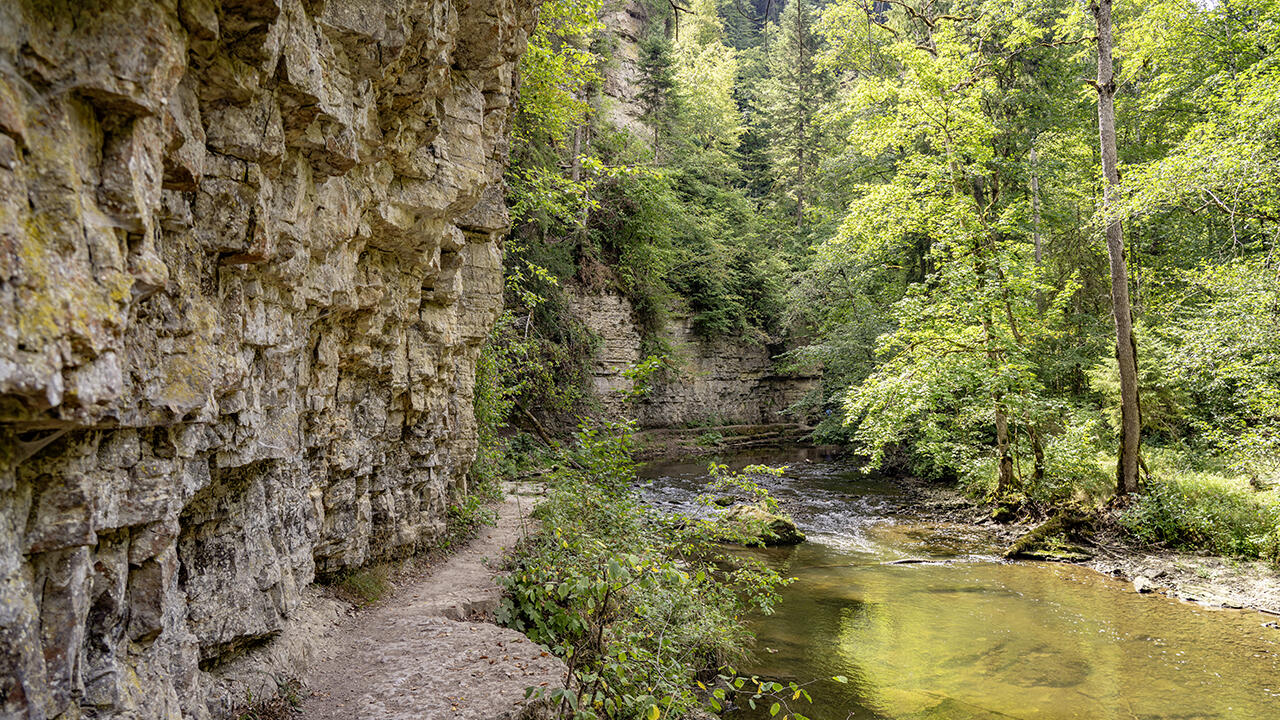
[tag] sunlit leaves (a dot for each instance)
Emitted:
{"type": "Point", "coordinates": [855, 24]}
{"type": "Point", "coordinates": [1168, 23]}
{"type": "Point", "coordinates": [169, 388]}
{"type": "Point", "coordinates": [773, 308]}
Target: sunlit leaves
{"type": "Point", "coordinates": [555, 69]}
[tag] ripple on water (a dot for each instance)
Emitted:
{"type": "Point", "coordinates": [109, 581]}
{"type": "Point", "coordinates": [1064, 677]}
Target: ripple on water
{"type": "Point", "coordinates": [965, 636]}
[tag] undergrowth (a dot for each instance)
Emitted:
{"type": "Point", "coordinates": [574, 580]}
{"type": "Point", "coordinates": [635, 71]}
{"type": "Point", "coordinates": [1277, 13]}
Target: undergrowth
{"type": "Point", "coordinates": [1205, 509]}
{"type": "Point", "coordinates": [281, 706]}
{"type": "Point", "coordinates": [474, 510]}
{"type": "Point", "coordinates": [643, 606]}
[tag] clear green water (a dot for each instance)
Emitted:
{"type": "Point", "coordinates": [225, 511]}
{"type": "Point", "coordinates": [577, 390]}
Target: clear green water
{"type": "Point", "coordinates": [966, 636]}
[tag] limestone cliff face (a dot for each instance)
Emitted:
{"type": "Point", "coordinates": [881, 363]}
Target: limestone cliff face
{"type": "Point", "coordinates": [715, 382]}
{"type": "Point", "coordinates": [248, 251]}
{"type": "Point", "coordinates": [626, 22]}
{"type": "Point", "coordinates": [721, 381]}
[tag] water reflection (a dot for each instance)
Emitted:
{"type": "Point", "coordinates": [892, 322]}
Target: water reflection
{"type": "Point", "coordinates": [966, 637]}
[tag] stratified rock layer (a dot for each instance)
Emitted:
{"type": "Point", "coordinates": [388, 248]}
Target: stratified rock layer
{"type": "Point", "coordinates": [724, 381]}
{"type": "Point", "coordinates": [248, 252]}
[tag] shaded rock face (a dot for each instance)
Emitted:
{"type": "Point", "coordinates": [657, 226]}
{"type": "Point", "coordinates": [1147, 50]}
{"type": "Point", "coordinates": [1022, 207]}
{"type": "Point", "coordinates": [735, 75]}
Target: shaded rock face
{"type": "Point", "coordinates": [627, 21]}
{"type": "Point", "coordinates": [248, 253]}
{"type": "Point", "coordinates": [718, 382]}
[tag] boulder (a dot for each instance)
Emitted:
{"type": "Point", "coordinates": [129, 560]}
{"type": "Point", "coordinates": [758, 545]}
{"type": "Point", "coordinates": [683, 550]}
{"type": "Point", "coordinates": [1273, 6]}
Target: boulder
{"type": "Point", "coordinates": [1143, 585]}
{"type": "Point", "coordinates": [755, 525]}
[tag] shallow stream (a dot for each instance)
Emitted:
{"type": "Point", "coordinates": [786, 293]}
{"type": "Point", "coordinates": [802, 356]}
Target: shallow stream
{"type": "Point", "coordinates": [966, 636]}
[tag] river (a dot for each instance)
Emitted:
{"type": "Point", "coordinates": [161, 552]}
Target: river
{"type": "Point", "coordinates": [967, 636]}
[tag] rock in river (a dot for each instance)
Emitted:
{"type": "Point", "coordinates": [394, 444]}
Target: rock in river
{"type": "Point", "coordinates": [755, 525]}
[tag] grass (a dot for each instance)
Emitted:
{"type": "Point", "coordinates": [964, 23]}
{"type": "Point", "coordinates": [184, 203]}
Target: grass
{"type": "Point", "coordinates": [1201, 507]}
{"type": "Point", "coordinates": [281, 706]}
{"type": "Point", "coordinates": [364, 586]}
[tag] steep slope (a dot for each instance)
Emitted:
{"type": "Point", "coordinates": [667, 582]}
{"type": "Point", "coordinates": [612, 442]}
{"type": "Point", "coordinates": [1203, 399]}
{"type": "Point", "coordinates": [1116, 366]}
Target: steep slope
{"type": "Point", "coordinates": [248, 251]}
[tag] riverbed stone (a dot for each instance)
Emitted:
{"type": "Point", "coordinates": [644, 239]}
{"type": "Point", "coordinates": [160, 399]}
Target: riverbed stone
{"type": "Point", "coordinates": [755, 524]}
{"type": "Point", "coordinates": [249, 251]}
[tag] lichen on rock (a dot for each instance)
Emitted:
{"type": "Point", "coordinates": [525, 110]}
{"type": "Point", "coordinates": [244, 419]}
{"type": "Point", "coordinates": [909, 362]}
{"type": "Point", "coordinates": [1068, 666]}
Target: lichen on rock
{"type": "Point", "coordinates": [248, 253]}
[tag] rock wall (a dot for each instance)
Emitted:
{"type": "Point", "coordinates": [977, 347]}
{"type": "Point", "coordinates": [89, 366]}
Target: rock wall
{"type": "Point", "coordinates": [627, 22]}
{"type": "Point", "coordinates": [724, 381]}
{"type": "Point", "coordinates": [248, 251]}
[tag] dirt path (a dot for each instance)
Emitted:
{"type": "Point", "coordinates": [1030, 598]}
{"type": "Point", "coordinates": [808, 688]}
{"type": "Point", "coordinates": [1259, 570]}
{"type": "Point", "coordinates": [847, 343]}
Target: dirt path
{"type": "Point", "coordinates": [428, 651]}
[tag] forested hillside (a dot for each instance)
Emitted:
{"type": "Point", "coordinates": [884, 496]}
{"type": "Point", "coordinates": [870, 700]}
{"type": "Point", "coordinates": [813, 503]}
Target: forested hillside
{"type": "Point", "coordinates": [913, 193]}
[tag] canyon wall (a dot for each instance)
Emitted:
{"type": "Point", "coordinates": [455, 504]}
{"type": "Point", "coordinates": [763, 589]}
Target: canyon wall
{"type": "Point", "coordinates": [724, 381]}
{"type": "Point", "coordinates": [248, 252]}
{"type": "Point", "coordinates": [716, 382]}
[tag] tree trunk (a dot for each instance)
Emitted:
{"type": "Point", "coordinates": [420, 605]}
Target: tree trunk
{"type": "Point", "coordinates": [1126, 347]}
{"type": "Point", "coordinates": [803, 68]}
{"type": "Point", "coordinates": [1035, 225]}
{"type": "Point", "coordinates": [1037, 449]}
{"type": "Point", "coordinates": [800, 192]}
{"type": "Point", "coordinates": [575, 163]}
{"type": "Point", "coordinates": [1005, 482]}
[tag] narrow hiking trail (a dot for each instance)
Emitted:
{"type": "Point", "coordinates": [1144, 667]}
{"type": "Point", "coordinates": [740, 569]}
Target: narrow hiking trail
{"type": "Point", "coordinates": [430, 649]}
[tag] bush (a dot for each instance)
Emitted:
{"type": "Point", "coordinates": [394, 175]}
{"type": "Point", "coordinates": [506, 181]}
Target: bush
{"type": "Point", "coordinates": [1075, 468]}
{"type": "Point", "coordinates": [1078, 468]}
{"type": "Point", "coordinates": [640, 604]}
{"type": "Point", "coordinates": [1203, 510]}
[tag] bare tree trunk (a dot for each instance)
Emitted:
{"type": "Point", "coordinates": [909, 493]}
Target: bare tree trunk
{"type": "Point", "coordinates": [575, 163]}
{"type": "Point", "coordinates": [1035, 224]}
{"type": "Point", "coordinates": [1005, 482]}
{"type": "Point", "coordinates": [1126, 347]}
{"type": "Point", "coordinates": [1037, 449]}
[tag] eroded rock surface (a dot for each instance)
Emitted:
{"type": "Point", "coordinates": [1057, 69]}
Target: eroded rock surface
{"type": "Point", "coordinates": [724, 381]}
{"type": "Point", "coordinates": [248, 252]}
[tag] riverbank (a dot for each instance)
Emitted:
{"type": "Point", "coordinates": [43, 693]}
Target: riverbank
{"type": "Point", "coordinates": [1207, 580]}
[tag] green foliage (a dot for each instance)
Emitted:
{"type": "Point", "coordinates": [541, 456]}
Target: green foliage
{"type": "Point", "coordinates": [495, 394]}
{"type": "Point", "coordinates": [1206, 510]}
{"type": "Point", "coordinates": [1220, 325]}
{"type": "Point", "coordinates": [641, 376]}
{"type": "Point", "coordinates": [466, 516]}
{"type": "Point", "coordinates": [639, 604]}
{"type": "Point", "coordinates": [556, 69]}
{"type": "Point", "coordinates": [710, 438]}
{"type": "Point", "coordinates": [657, 84]}
{"type": "Point", "coordinates": [951, 300]}
{"type": "Point", "coordinates": [727, 483]}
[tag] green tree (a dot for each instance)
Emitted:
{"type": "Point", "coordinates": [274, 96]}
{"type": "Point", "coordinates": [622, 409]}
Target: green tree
{"type": "Point", "coordinates": [657, 84]}
{"type": "Point", "coordinates": [791, 99]}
